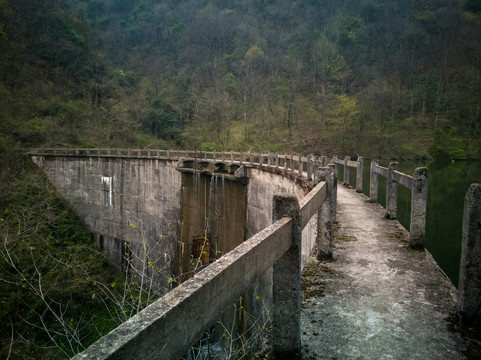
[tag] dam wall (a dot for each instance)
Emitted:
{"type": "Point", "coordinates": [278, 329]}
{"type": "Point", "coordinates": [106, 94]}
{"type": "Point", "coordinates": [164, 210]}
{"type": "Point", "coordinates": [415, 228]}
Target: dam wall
{"type": "Point", "coordinates": [131, 205]}
{"type": "Point", "coordinates": [149, 210]}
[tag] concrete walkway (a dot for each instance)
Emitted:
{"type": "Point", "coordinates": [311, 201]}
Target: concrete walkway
{"type": "Point", "coordinates": [376, 299]}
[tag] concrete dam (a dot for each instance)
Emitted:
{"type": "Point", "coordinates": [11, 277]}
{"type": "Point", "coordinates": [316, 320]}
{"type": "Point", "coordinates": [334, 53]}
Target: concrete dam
{"type": "Point", "coordinates": [142, 207]}
{"type": "Point", "coordinates": [368, 290]}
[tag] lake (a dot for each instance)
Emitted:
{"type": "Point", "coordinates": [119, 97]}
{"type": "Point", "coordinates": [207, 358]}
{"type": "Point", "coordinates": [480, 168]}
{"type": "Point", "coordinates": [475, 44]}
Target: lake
{"type": "Point", "coordinates": [447, 187]}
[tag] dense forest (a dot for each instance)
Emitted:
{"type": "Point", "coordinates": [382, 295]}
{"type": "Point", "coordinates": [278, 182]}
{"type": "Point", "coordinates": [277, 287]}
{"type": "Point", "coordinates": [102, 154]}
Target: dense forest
{"type": "Point", "coordinates": [397, 79]}
{"type": "Point", "coordinates": [386, 79]}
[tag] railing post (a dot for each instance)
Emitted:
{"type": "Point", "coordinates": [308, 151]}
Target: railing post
{"type": "Point", "coordinates": [299, 165]}
{"type": "Point", "coordinates": [470, 269]}
{"type": "Point", "coordinates": [323, 161]}
{"type": "Point", "coordinates": [333, 169]}
{"type": "Point", "coordinates": [286, 319]}
{"type": "Point", "coordinates": [269, 159]}
{"type": "Point", "coordinates": [419, 197]}
{"type": "Point", "coordinates": [359, 174]}
{"type": "Point", "coordinates": [347, 171]}
{"type": "Point", "coordinates": [391, 192]}
{"type": "Point", "coordinates": [373, 181]}
{"type": "Point", "coordinates": [315, 169]}
{"type": "Point", "coordinates": [324, 216]}
{"type": "Point", "coordinates": [251, 157]}
{"type": "Point", "coordinates": [309, 167]}
{"type": "Point", "coordinates": [276, 160]}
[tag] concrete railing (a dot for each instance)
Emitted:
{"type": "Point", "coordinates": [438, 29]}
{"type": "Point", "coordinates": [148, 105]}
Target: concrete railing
{"type": "Point", "coordinates": [171, 325]}
{"type": "Point", "coordinates": [470, 267]}
{"type": "Point", "coordinates": [300, 165]}
{"type": "Point", "coordinates": [348, 164]}
{"type": "Point", "coordinates": [418, 184]}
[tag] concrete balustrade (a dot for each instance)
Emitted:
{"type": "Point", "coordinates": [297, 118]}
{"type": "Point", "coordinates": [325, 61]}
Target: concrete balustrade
{"type": "Point", "coordinates": [174, 322]}
{"type": "Point", "coordinates": [298, 165]}
{"type": "Point", "coordinates": [348, 164]}
{"type": "Point", "coordinates": [470, 267]}
{"type": "Point", "coordinates": [418, 184]}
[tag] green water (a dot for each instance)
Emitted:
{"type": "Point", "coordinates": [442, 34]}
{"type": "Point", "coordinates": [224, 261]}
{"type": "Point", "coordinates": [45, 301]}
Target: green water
{"type": "Point", "coordinates": [447, 187]}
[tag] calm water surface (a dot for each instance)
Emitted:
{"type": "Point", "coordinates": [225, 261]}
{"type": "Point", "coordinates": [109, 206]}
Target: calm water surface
{"type": "Point", "coordinates": [447, 187]}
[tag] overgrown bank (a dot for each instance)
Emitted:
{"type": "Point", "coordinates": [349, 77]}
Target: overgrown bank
{"type": "Point", "coordinates": [58, 293]}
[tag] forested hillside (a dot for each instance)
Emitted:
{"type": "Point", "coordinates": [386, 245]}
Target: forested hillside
{"type": "Point", "coordinates": [379, 78]}
{"type": "Point", "coordinates": [396, 79]}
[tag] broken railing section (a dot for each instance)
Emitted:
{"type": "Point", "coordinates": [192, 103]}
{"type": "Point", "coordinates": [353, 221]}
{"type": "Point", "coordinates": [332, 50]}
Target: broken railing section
{"type": "Point", "coordinates": [417, 183]}
{"type": "Point", "coordinates": [470, 268]}
{"type": "Point", "coordinates": [170, 326]}
{"type": "Point", "coordinates": [348, 164]}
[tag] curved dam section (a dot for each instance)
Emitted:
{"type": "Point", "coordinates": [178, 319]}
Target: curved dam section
{"type": "Point", "coordinates": [131, 205]}
{"type": "Point", "coordinates": [178, 218]}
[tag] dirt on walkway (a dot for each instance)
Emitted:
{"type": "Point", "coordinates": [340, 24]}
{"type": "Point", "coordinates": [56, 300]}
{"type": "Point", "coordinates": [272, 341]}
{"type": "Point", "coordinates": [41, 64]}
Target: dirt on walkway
{"type": "Point", "coordinates": [376, 299]}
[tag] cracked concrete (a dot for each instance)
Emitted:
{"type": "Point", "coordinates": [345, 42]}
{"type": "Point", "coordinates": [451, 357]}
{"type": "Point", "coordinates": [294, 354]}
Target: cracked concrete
{"type": "Point", "coordinates": [376, 299]}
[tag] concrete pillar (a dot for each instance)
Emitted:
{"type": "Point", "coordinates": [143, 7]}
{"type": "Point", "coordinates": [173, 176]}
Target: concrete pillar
{"type": "Point", "coordinates": [309, 167]}
{"type": "Point", "coordinates": [391, 192]}
{"type": "Point", "coordinates": [347, 171]}
{"type": "Point", "coordinates": [325, 218]}
{"type": "Point", "coordinates": [359, 174]}
{"type": "Point", "coordinates": [373, 181]}
{"type": "Point", "coordinates": [315, 170]}
{"type": "Point", "coordinates": [300, 166]}
{"type": "Point", "coordinates": [419, 199]}
{"type": "Point", "coordinates": [286, 316]}
{"type": "Point", "coordinates": [323, 161]}
{"type": "Point", "coordinates": [333, 169]}
{"type": "Point", "coordinates": [470, 269]}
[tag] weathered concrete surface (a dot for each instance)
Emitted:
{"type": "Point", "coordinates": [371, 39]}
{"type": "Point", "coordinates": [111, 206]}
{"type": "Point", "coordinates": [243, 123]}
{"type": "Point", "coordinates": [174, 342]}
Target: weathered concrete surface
{"type": "Point", "coordinates": [121, 200]}
{"type": "Point", "coordinates": [376, 299]}
{"type": "Point", "coordinates": [470, 269]}
{"type": "Point", "coordinates": [215, 207]}
{"type": "Point", "coordinates": [169, 326]}
{"type": "Point", "coordinates": [260, 190]}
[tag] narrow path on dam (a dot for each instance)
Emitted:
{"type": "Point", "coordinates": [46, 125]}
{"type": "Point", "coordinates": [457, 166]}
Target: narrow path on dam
{"type": "Point", "coordinates": [376, 299]}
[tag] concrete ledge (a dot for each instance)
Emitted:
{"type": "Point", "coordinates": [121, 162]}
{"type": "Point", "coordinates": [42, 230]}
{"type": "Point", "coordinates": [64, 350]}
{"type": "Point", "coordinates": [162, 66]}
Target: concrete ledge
{"type": "Point", "coordinates": [173, 323]}
{"type": "Point", "coordinates": [312, 202]}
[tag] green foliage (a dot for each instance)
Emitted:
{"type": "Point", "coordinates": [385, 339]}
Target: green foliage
{"type": "Point", "coordinates": [46, 253]}
{"type": "Point", "coordinates": [209, 146]}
